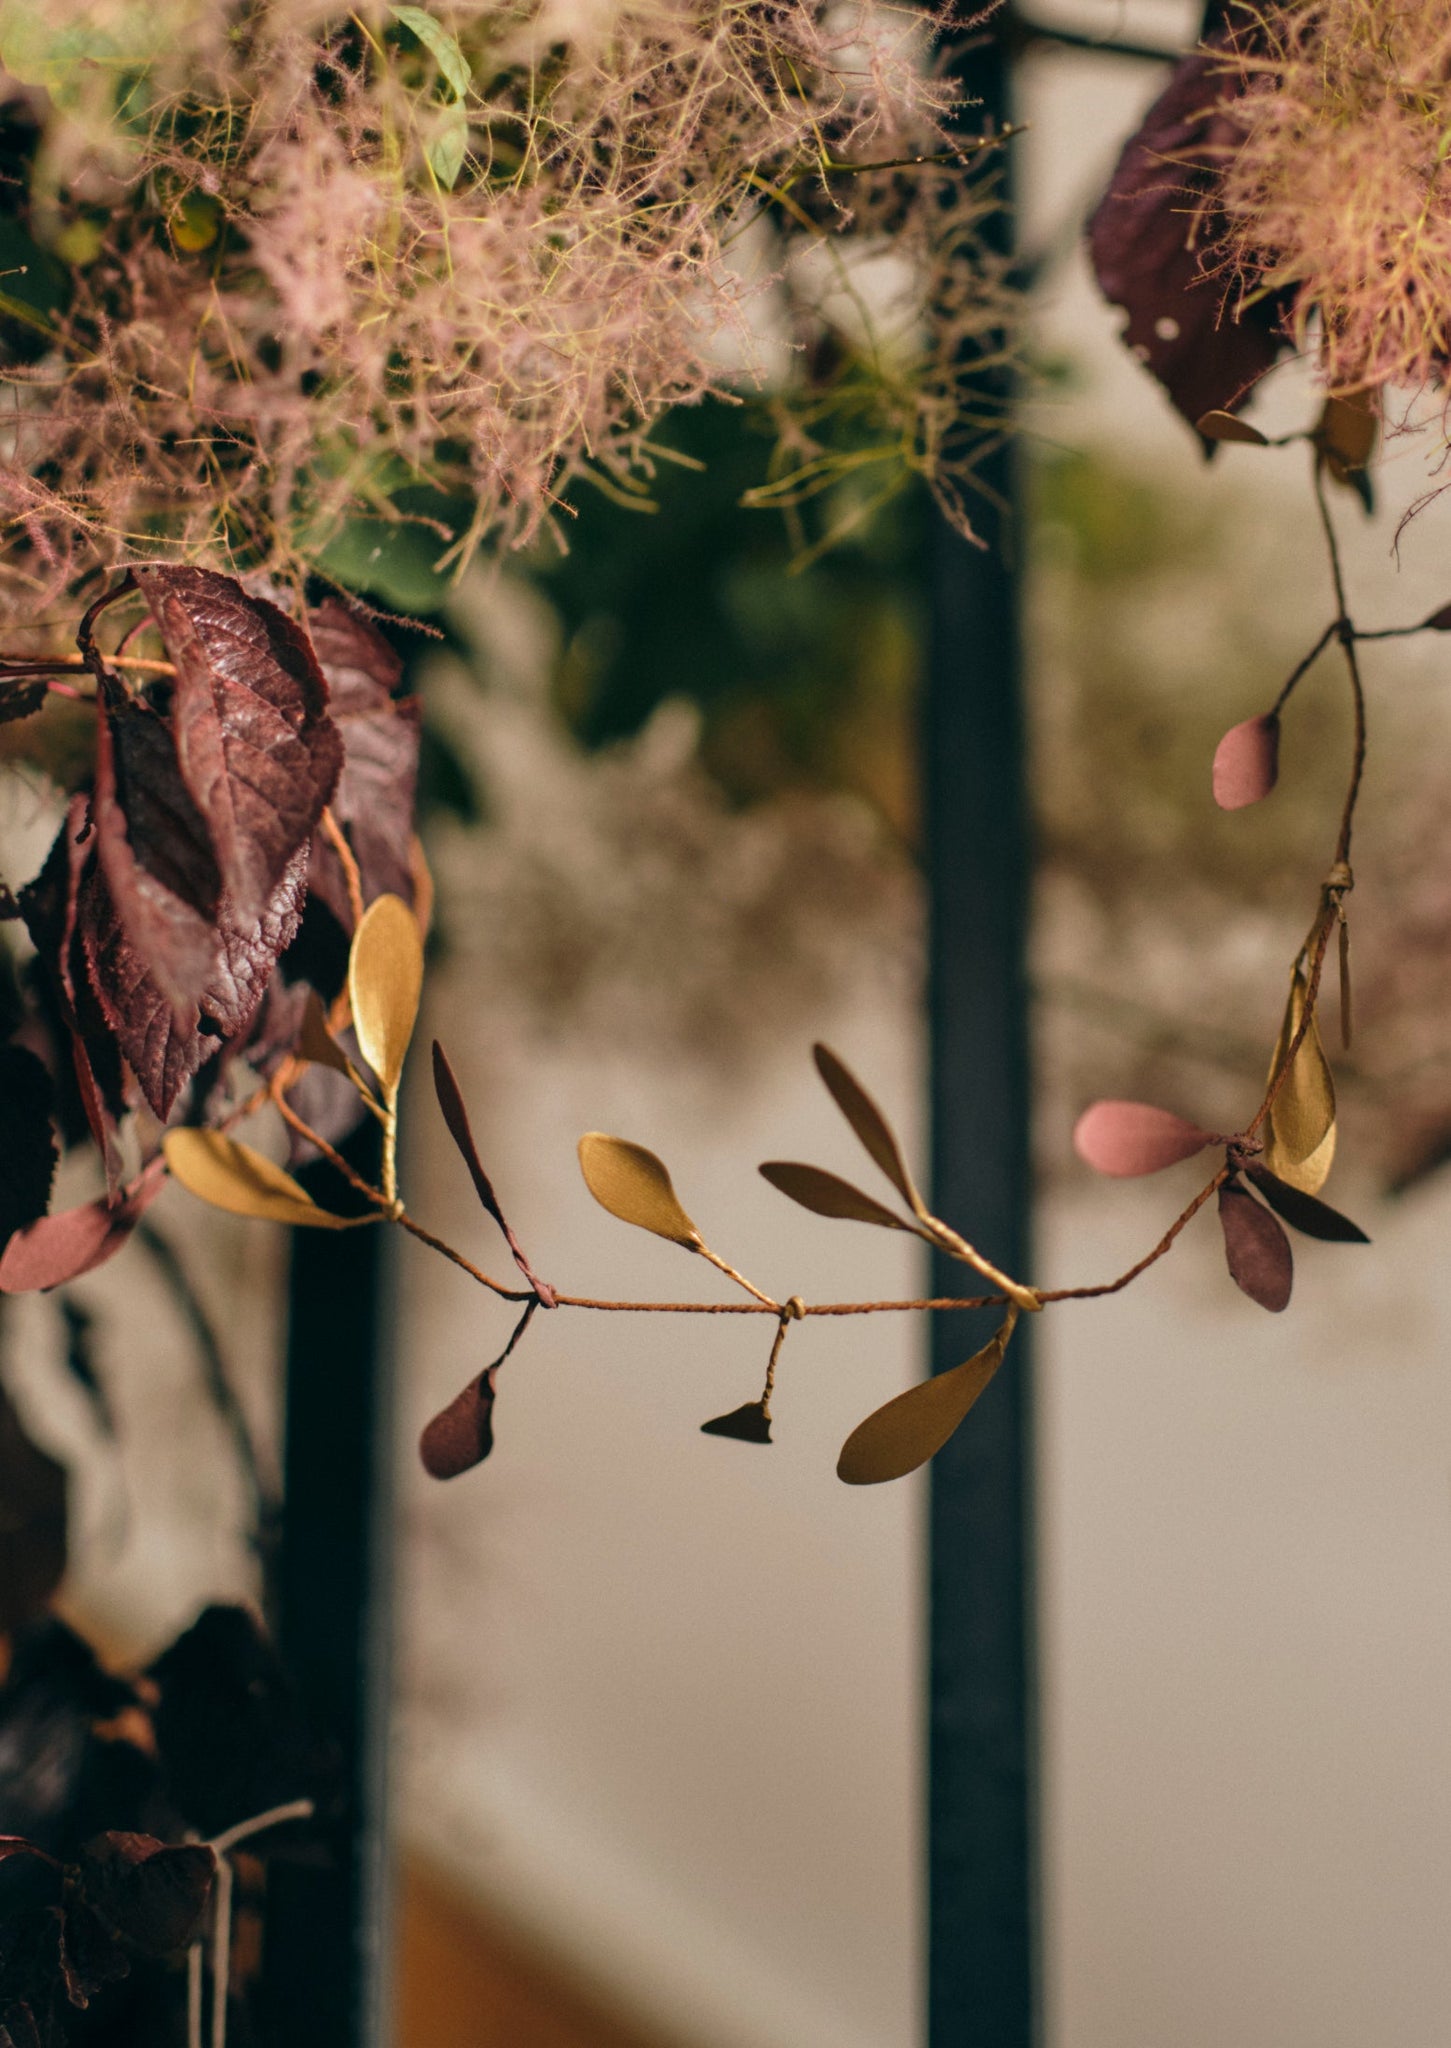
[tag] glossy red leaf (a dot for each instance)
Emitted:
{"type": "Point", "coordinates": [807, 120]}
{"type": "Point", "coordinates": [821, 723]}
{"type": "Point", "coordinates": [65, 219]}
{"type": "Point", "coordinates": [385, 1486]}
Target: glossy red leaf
{"type": "Point", "coordinates": [256, 747]}
{"type": "Point", "coordinates": [1261, 1263]}
{"type": "Point", "coordinates": [375, 796]}
{"type": "Point", "coordinates": [1306, 1213]}
{"type": "Point", "coordinates": [60, 1248]}
{"type": "Point", "coordinates": [1247, 763]}
{"type": "Point", "coordinates": [1129, 1138]}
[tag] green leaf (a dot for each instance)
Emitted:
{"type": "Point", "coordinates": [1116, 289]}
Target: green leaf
{"type": "Point", "coordinates": [441, 44]}
{"type": "Point", "coordinates": [449, 146]}
{"type": "Point", "coordinates": [34, 287]}
{"type": "Point", "coordinates": [388, 558]}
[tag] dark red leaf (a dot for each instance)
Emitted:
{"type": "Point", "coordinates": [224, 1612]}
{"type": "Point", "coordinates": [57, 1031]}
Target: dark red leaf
{"type": "Point", "coordinates": [1439, 621]}
{"type": "Point", "coordinates": [456, 1116]}
{"type": "Point", "coordinates": [1129, 1138]}
{"type": "Point", "coordinates": [75, 1241]}
{"type": "Point", "coordinates": [32, 1522]}
{"type": "Point", "coordinates": [748, 1425]}
{"type": "Point", "coordinates": [374, 799]}
{"type": "Point", "coordinates": [153, 1894]}
{"type": "Point", "coordinates": [1261, 1263]}
{"type": "Point", "coordinates": [1247, 763]}
{"type": "Point", "coordinates": [461, 1435]}
{"type": "Point", "coordinates": [256, 747]}
{"type": "Point", "coordinates": [20, 699]}
{"type": "Point", "coordinates": [1306, 1213]}
{"type": "Point", "coordinates": [1152, 239]}
{"type": "Point", "coordinates": [27, 1139]}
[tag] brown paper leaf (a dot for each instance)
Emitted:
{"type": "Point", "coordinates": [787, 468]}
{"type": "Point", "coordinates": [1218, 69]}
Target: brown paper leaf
{"type": "Point", "coordinates": [1228, 426]}
{"type": "Point", "coordinates": [317, 1044]}
{"type": "Point", "coordinates": [1261, 1263]}
{"type": "Point", "coordinates": [635, 1186]}
{"type": "Point", "coordinates": [385, 982]}
{"type": "Point", "coordinates": [909, 1430]}
{"type": "Point", "coordinates": [1346, 432]}
{"type": "Point", "coordinates": [1300, 1141]}
{"type": "Point", "coordinates": [826, 1195]}
{"type": "Point", "coordinates": [871, 1127]}
{"type": "Point", "coordinates": [233, 1177]}
{"type": "Point", "coordinates": [1129, 1138]}
{"type": "Point", "coordinates": [461, 1435]}
{"type": "Point", "coordinates": [1247, 763]}
{"type": "Point", "coordinates": [748, 1425]}
{"type": "Point", "coordinates": [1306, 1212]}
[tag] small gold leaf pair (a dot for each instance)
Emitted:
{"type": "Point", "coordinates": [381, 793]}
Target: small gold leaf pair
{"type": "Point", "coordinates": [1300, 1147]}
{"type": "Point", "coordinates": [633, 1184]}
{"type": "Point", "coordinates": [233, 1177]}
{"type": "Point", "coordinates": [827, 1194]}
{"type": "Point", "coordinates": [907, 1431]}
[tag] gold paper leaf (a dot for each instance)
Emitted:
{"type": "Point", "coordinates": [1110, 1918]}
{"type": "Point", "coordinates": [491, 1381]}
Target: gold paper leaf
{"type": "Point", "coordinates": [871, 1127]}
{"type": "Point", "coordinates": [1300, 1143]}
{"type": "Point", "coordinates": [827, 1195]}
{"type": "Point", "coordinates": [230, 1176]}
{"type": "Point", "coordinates": [913, 1428]}
{"type": "Point", "coordinates": [1228, 426]}
{"type": "Point", "coordinates": [635, 1186]}
{"type": "Point", "coordinates": [317, 1044]}
{"type": "Point", "coordinates": [385, 981]}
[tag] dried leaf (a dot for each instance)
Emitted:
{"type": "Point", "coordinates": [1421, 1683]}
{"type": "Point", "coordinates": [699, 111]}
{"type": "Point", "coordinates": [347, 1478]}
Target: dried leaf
{"type": "Point", "coordinates": [1228, 426]}
{"type": "Point", "coordinates": [1247, 763]}
{"type": "Point", "coordinates": [635, 1186]}
{"type": "Point", "coordinates": [74, 1241]}
{"type": "Point", "coordinates": [826, 1195]}
{"type": "Point", "coordinates": [1300, 1141]}
{"type": "Point", "coordinates": [385, 983]}
{"type": "Point", "coordinates": [231, 1176]}
{"type": "Point", "coordinates": [152, 1893]}
{"type": "Point", "coordinates": [376, 792]}
{"type": "Point", "coordinates": [871, 1127]}
{"type": "Point", "coordinates": [1306, 1212]}
{"type": "Point", "coordinates": [749, 1424]}
{"type": "Point", "coordinates": [456, 1116]}
{"type": "Point", "coordinates": [1261, 1263]}
{"type": "Point", "coordinates": [1129, 1138]}
{"type": "Point", "coordinates": [461, 1435]}
{"type": "Point", "coordinates": [909, 1430]}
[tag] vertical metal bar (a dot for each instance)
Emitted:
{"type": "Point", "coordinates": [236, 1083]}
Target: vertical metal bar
{"type": "Point", "coordinates": [982, 1962]}
{"type": "Point", "coordinates": [326, 1962]}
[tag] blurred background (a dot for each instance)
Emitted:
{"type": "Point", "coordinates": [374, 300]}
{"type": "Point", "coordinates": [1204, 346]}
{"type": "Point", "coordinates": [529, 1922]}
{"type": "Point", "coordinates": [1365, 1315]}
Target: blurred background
{"type": "Point", "coordinates": [658, 1761]}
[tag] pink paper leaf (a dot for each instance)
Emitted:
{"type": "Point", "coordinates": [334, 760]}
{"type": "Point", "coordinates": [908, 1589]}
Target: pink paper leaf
{"type": "Point", "coordinates": [60, 1248]}
{"type": "Point", "coordinates": [1247, 762]}
{"type": "Point", "coordinates": [1129, 1138]}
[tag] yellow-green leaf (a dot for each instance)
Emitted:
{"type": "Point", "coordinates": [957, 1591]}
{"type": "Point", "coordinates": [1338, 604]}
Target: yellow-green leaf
{"type": "Point", "coordinates": [913, 1428]}
{"type": "Point", "coordinates": [1228, 426]}
{"type": "Point", "coordinates": [871, 1127]}
{"type": "Point", "coordinates": [385, 981]}
{"type": "Point", "coordinates": [230, 1176]}
{"type": "Point", "coordinates": [449, 146]}
{"type": "Point", "coordinates": [635, 1186]}
{"type": "Point", "coordinates": [1300, 1138]}
{"type": "Point", "coordinates": [827, 1195]}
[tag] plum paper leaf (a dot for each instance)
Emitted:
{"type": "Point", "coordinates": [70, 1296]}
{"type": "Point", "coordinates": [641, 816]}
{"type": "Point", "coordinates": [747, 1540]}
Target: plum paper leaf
{"type": "Point", "coordinates": [461, 1435]}
{"type": "Point", "coordinates": [827, 1195]}
{"type": "Point", "coordinates": [1258, 1253]}
{"type": "Point", "coordinates": [1126, 1139]}
{"type": "Point", "coordinates": [1307, 1213]}
{"type": "Point", "coordinates": [456, 1117]}
{"type": "Point", "coordinates": [153, 1893]}
{"type": "Point", "coordinates": [74, 1241]}
{"type": "Point", "coordinates": [1247, 763]}
{"type": "Point", "coordinates": [1300, 1145]}
{"type": "Point", "coordinates": [633, 1184]}
{"type": "Point", "coordinates": [385, 983]}
{"type": "Point", "coordinates": [748, 1424]}
{"type": "Point", "coordinates": [909, 1430]}
{"type": "Point", "coordinates": [231, 1176]}
{"type": "Point", "coordinates": [871, 1127]}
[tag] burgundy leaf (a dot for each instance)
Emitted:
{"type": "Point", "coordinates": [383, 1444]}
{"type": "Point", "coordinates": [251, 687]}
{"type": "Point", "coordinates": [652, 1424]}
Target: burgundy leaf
{"type": "Point", "coordinates": [1306, 1213]}
{"type": "Point", "coordinates": [456, 1116]}
{"type": "Point", "coordinates": [374, 799]}
{"type": "Point", "coordinates": [19, 699]}
{"type": "Point", "coordinates": [27, 1139]}
{"type": "Point", "coordinates": [1152, 239]}
{"type": "Point", "coordinates": [256, 747]}
{"type": "Point", "coordinates": [1439, 621]}
{"type": "Point", "coordinates": [153, 1894]}
{"type": "Point", "coordinates": [1261, 1263]}
{"type": "Point", "coordinates": [461, 1435]}
{"type": "Point", "coordinates": [61, 1247]}
{"type": "Point", "coordinates": [748, 1425]}
{"type": "Point", "coordinates": [1129, 1138]}
{"type": "Point", "coordinates": [1247, 762]}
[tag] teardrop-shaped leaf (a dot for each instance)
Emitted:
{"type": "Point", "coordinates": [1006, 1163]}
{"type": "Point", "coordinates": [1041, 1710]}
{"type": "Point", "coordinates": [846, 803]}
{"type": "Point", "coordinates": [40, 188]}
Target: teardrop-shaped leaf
{"type": "Point", "coordinates": [461, 1435]}
{"type": "Point", "coordinates": [385, 982]}
{"type": "Point", "coordinates": [1306, 1213]}
{"type": "Point", "coordinates": [827, 1195]}
{"type": "Point", "coordinates": [871, 1127]}
{"type": "Point", "coordinates": [74, 1241]}
{"type": "Point", "coordinates": [1247, 763]}
{"type": "Point", "coordinates": [1261, 1263]}
{"type": "Point", "coordinates": [231, 1176]}
{"type": "Point", "coordinates": [748, 1425]}
{"type": "Point", "coordinates": [1228, 426]}
{"type": "Point", "coordinates": [909, 1430]}
{"type": "Point", "coordinates": [1346, 437]}
{"type": "Point", "coordinates": [1129, 1138]}
{"type": "Point", "coordinates": [1300, 1139]}
{"type": "Point", "coordinates": [635, 1186]}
